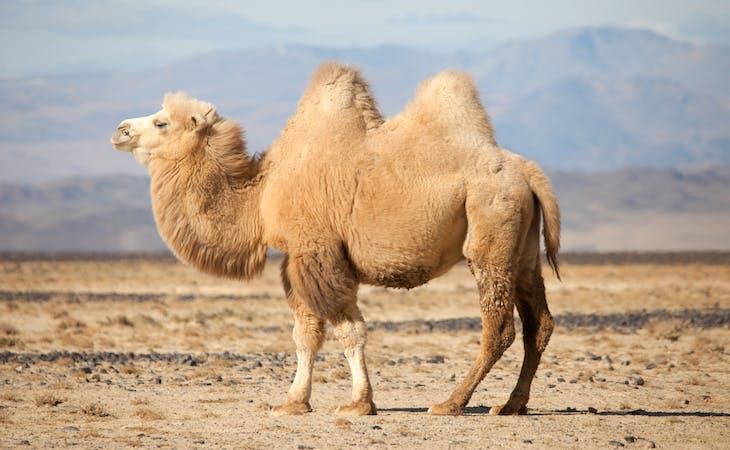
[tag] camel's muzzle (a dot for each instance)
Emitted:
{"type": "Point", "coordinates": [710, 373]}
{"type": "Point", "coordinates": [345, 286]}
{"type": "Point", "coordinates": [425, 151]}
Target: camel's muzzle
{"type": "Point", "coordinates": [121, 137]}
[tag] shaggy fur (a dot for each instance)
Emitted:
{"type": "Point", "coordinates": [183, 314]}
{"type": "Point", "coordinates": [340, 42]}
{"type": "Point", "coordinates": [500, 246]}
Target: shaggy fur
{"type": "Point", "coordinates": [351, 198]}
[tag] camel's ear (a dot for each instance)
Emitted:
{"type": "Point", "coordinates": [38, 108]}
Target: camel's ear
{"type": "Point", "coordinates": [199, 121]}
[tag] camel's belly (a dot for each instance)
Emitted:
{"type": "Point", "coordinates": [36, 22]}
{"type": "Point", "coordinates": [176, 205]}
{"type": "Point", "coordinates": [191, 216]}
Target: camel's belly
{"type": "Point", "coordinates": [399, 262]}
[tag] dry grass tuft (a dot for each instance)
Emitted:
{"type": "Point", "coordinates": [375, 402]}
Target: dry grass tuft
{"type": "Point", "coordinates": [10, 396]}
{"type": "Point", "coordinates": [48, 399]}
{"type": "Point", "coordinates": [129, 370]}
{"type": "Point", "coordinates": [340, 422]}
{"type": "Point", "coordinates": [71, 324]}
{"type": "Point", "coordinates": [704, 345]}
{"type": "Point", "coordinates": [148, 414]}
{"type": "Point", "coordinates": [9, 335]}
{"type": "Point", "coordinates": [95, 410]}
{"type": "Point", "coordinates": [669, 329]}
{"type": "Point", "coordinates": [87, 433]}
{"type": "Point", "coordinates": [9, 341]}
{"type": "Point", "coordinates": [340, 373]}
{"type": "Point", "coordinates": [120, 320]}
{"type": "Point", "coordinates": [8, 330]}
{"type": "Point", "coordinates": [5, 416]}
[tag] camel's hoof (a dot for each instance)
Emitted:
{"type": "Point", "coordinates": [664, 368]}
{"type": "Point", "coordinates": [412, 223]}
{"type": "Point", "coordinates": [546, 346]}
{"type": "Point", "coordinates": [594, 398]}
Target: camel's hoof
{"type": "Point", "coordinates": [507, 410]}
{"type": "Point", "coordinates": [446, 409]}
{"type": "Point", "coordinates": [357, 409]}
{"type": "Point", "coordinates": [291, 409]}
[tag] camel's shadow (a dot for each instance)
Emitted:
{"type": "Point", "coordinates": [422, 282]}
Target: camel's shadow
{"type": "Point", "coordinates": [484, 410]}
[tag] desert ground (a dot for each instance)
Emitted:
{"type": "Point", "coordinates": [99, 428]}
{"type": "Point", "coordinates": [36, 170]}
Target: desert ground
{"type": "Point", "coordinates": [115, 352]}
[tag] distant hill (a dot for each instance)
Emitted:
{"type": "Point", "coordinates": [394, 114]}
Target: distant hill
{"type": "Point", "coordinates": [629, 209]}
{"type": "Point", "coordinates": [582, 99]}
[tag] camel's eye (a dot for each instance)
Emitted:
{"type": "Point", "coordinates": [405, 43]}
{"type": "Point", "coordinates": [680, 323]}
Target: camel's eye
{"type": "Point", "coordinates": [160, 125]}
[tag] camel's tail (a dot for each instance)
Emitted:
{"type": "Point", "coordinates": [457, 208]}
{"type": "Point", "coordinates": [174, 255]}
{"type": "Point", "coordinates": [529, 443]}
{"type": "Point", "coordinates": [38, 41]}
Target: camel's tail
{"type": "Point", "coordinates": [542, 189]}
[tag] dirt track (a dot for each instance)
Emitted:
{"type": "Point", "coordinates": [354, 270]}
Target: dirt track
{"type": "Point", "coordinates": [113, 352]}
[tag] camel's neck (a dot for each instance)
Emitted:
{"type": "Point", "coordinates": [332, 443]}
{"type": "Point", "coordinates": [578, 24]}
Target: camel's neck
{"type": "Point", "coordinates": [207, 210]}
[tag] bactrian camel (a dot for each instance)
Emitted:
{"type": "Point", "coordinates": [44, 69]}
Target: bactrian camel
{"type": "Point", "coordinates": [351, 198]}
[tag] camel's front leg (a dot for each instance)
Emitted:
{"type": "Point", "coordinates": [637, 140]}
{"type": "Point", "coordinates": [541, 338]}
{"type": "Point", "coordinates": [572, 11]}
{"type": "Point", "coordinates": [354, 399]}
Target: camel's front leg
{"type": "Point", "coordinates": [350, 330]}
{"type": "Point", "coordinates": [308, 334]}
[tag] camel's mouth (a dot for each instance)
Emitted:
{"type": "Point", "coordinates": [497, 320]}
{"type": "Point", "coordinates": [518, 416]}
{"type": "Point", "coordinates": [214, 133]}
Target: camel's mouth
{"type": "Point", "coordinates": [119, 140]}
{"type": "Point", "coordinates": [122, 138]}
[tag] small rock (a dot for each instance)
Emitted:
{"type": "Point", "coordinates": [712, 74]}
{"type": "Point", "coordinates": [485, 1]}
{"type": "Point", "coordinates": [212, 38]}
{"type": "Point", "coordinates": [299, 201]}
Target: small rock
{"type": "Point", "coordinates": [438, 359]}
{"type": "Point", "coordinates": [686, 402]}
{"type": "Point", "coordinates": [71, 428]}
{"type": "Point", "coordinates": [616, 444]}
{"type": "Point", "coordinates": [550, 386]}
{"type": "Point", "coordinates": [527, 441]}
{"type": "Point", "coordinates": [158, 380]}
{"type": "Point", "coordinates": [548, 374]}
{"type": "Point", "coordinates": [636, 381]}
{"type": "Point", "coordinates": [572, 381]}
{"type": "Point", "coordinates": [24, 442]}
{"type": "Point", "coordinates": [630, 439]}
{"type": "Point", "coordinates": [377, 427]}
{"type": "Point", "coordinates": [650, 365]}
{"type": "Point", "coordinates": [592, 410]}
{"type": "Point", "coordinates": [199, 441]}
{"type": "Point", "coordinates": [561, 380]}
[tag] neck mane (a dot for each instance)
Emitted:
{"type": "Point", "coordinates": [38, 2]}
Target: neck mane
{"type": "Point", "coordinates": [206, 205]}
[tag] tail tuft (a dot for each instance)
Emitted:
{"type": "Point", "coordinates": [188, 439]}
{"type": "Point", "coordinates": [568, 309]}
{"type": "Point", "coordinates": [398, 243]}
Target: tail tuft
{"type": "Point", "coordinates": [542, 189]}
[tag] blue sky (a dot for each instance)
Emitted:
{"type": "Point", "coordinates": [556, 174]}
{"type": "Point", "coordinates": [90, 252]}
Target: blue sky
{"type": "Point", "coordinates": [55, 36]}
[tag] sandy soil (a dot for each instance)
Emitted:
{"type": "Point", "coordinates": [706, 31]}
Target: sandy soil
{"type": "Point", "coordinates": [149, 353]}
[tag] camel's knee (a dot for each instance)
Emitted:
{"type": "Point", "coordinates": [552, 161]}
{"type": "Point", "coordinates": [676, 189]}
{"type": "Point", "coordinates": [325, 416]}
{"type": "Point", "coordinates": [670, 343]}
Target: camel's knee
{"type": "Point", "coordinates": [308, 334]}
{"type": "Point", "coordinates": [351, 334]}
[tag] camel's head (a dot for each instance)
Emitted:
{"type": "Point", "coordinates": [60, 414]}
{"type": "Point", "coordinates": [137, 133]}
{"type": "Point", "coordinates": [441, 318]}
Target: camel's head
{"type": "Point", "coordinates": [170, 134]}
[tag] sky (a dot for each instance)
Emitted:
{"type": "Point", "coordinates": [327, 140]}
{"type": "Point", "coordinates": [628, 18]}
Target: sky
{"type": "Point", "coordinates": [58, 36]}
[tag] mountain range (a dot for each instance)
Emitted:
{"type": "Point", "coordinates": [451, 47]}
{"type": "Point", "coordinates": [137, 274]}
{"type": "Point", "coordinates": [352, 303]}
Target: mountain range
{"type": "Point", "coordinates": [627, 209]}
{"type": "Point", "coordinates": [582, 99]}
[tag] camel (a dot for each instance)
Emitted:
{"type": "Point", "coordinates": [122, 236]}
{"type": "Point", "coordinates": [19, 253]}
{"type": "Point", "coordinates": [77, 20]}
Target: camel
{"type": "Point", "coordinates": [349, 198]}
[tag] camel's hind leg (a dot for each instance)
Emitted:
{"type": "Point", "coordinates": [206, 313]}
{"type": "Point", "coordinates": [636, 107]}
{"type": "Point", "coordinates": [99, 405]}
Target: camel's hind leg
{"type": "Point", "coordinates": [498, 332]}
{"type": "Point", "coordinates": [498, 224]}
{"type": "Point", "coordinates": [308, 334]}
{"type": "Point", "coordinates": [537, 326]}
